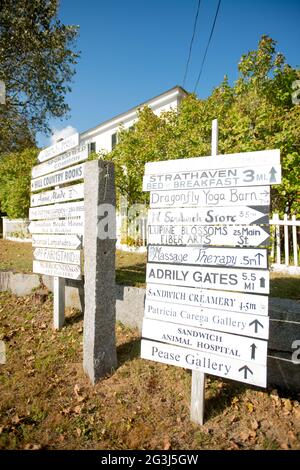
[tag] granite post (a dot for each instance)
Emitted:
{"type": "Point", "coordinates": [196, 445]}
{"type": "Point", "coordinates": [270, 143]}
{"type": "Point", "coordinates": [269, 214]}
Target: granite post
{"type": "Point", "coordinates": [99, 343]}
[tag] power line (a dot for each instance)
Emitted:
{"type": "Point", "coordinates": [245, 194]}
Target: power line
{"type": "Point", "coordinates": [191, 43]}
{"type": "Point", "coordinates": [204, 57]}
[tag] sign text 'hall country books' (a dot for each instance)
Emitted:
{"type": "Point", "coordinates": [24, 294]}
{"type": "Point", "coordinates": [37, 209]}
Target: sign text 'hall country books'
{"type": "Point", "coordinates": [231, 279]}
{"type": "Point", "coordinates": [213, 178]}
{"type": "Point", "coordinates": [67, 175]}
{"type": "Point", "coordinates": [203, 256]}
{"type": "Point", "coordinates": [208, 235]}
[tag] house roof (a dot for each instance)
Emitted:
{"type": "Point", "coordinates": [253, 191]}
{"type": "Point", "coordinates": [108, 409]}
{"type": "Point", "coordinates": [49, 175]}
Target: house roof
{"type": "Point", "coordinates": [119, 117]}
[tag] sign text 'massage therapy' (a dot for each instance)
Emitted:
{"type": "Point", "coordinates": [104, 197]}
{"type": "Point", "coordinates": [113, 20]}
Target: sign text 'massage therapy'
{"type": "Point", "coordinates": [229, 257]}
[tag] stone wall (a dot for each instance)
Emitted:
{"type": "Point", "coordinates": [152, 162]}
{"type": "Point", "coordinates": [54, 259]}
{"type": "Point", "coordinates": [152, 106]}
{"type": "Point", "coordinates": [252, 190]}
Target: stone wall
{"type": "Point", "coordinates": [283, 372]}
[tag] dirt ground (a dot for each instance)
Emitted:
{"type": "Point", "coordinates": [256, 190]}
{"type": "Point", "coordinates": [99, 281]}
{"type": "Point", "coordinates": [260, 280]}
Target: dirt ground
{"type": "Point", "coordinates": [46, 402]}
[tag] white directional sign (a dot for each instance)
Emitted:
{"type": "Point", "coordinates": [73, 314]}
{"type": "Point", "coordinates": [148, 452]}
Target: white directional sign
{"type": "Point", "coordinates": [68, 209]}
{"type": "Point", "coordinates": [229, 257]}
{"type": "Point", "coordinates": [224, 344]}
{"type": "Point", "coordinates": [246, 324]}
{"type": "Point", "coordinates": [207, 362]}
{"type": "Point", "coordinates": [68, 226]}
{"type": "Point", "coordinates": [208, 299]}
{"type": "Point", "coordinates": [68, 271]}
{"type": "Point", "coordinates": [253, 159]}
{"type": "Point", "coordinates": [213, 178]}
{"type": "Point", "coordinates": [208, 235]}
{"type": "Point", "coordinates": [70, 242]}
{"type": "Point", "coordinates": [256, 281]}
{"type": "Point", "coordinates": [69, 158]}
{"type": "Point", "coordinates": [59, 177]}
{"type": "Point", "coordinates": [60, 147]}
{"type": "Point", "coordinates": [210, 215]}
{"type": "Point", "coordinates": [58, 256]}
{"type": "Point", "coordinates": [250, 196]}
{"type": "Point", "coordinates": [67, 193]}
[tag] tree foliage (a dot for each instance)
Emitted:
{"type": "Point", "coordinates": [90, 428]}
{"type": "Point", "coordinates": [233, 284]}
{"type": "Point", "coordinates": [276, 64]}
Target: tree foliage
{"type": "Point", "coordinates": [36, 64]}
{"type": "Point", "coordinates": [15, 176]}
{"type": "Point", "coordinates": [256, 113]}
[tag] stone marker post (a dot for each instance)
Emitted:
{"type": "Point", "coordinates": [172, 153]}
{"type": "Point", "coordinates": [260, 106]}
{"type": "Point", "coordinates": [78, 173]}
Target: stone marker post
{"type": "Point", "coordinates": [99, 344]}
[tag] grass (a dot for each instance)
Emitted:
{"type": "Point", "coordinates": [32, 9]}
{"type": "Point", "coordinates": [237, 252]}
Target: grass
{"type": "Point", "coordinates": [131, 269]}
{"type": "Point", "coordinates": [47, 402]}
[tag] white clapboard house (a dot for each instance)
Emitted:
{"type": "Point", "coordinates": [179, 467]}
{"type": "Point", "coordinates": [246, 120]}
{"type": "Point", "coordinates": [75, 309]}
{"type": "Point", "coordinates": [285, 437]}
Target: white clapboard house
{"type": "Point", "coordinates": [105, 135]}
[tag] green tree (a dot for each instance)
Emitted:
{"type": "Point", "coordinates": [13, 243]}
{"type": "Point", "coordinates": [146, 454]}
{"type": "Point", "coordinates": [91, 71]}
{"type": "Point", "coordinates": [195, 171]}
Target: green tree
{"type": "Point", "coordinates": [256, 113]}
{"type": "Point", "coordinates": [15, 176]}
{"type": "Point", "coordinates": [37, 64]}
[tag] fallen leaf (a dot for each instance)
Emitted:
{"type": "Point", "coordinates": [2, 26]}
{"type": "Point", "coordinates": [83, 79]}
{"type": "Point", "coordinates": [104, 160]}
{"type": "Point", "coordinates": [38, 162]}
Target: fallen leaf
{"type": "Point", "coordinates": [78, 409]}
{"type": "Point", "coordinates": [254, 425]}
{"type": "Point", "coordinates": [167, 444]}
{"type": "Point", "coordinates": [78, 432]}
{"type": "Point", "coordinates": [287, 404]}
{"type": "Point", "coordinates": [250, 407]}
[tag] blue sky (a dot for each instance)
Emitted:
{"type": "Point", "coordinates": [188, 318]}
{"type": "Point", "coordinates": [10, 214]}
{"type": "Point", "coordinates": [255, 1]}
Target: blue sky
{"type": "Point", "coordinates": [134, 50]}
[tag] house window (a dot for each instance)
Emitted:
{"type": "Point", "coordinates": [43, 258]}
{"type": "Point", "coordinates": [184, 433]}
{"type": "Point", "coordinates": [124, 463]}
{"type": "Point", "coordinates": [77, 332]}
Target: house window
{"type": "Point", "coordinates": [114, 140]}
{"type": "Point", "coordinates": [92, 147]}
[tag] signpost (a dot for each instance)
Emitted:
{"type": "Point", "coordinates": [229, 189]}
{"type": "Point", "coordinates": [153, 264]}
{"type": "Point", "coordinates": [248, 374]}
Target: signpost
{"type": "Point", "coordinates": [68, 193]}
{"type": "Point", "coordinates": [255, 196]}
{"type": "Point", "coordinates": [210, 215]}
{"type": "Point", "coordinates": [57, 225]}
{"type": "Point", "coordinates": [203, 256]}
{"type": "Point", "coordinates": [216, 178]}
{"type": "Point", "coordinates": [58, 148]}
{"type": "Point", "coordinates": [208, 235]}
{"type": "Point", "coordinates": [202, 310]}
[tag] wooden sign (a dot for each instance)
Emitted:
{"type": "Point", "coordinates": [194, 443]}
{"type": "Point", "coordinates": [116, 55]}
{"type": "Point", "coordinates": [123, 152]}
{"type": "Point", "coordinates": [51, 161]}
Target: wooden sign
{"type": "Point", "coordinates": [68, 209]}
{"type": "Point", "coordinates": [208, 235]}
{"type": "Point", "coordinates": [255, 196]}
{"type": "Point", "coordinates": [69, 158]}
{"type": "Point", "coordinates": [244, 159]}
{"type": "Point", "coordinates": [60, 147]}
{"type": "Point", "coordinates": [245, 324]}
{"type": "Point", "coordinates": [206, 362]}
{"type": "Point", "coordinates": [57, 255]}
{"type": "Point", "coordinates": [208, 299]}
{"type": "Point", "coordinates": [218, 342]}
{"type": "Point", "coordinates": [68, 271]}
{"type": "Point", "coordinates": [210, 215]}
{"type": "Point", "coordinates": [213, 178]}
{"type": "Point", "coordinates": [59, 177]}
{"type": "Point", "coordinates": [70, 242]}
{"type": "Point", "coordinates": [67, 193]}
{"type": "Point", "coordinates": [201, 256]}
{"type": "Point", "coordinates": [256, 281]}
{"type": "Point", "coordinates": [67, 226]}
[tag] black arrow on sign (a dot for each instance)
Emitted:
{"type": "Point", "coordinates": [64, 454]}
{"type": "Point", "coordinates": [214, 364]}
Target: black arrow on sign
{"type": "Point", "coordinates": [256, 323]}
{"type": "Point", "coordinates": [272, 175]}
{"type": "Point", "coordinates": [253, 347]}
{"type": "Point", "coordinates": [262, 282]}
{"type": "Point", "coordinates": [246, 370]}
